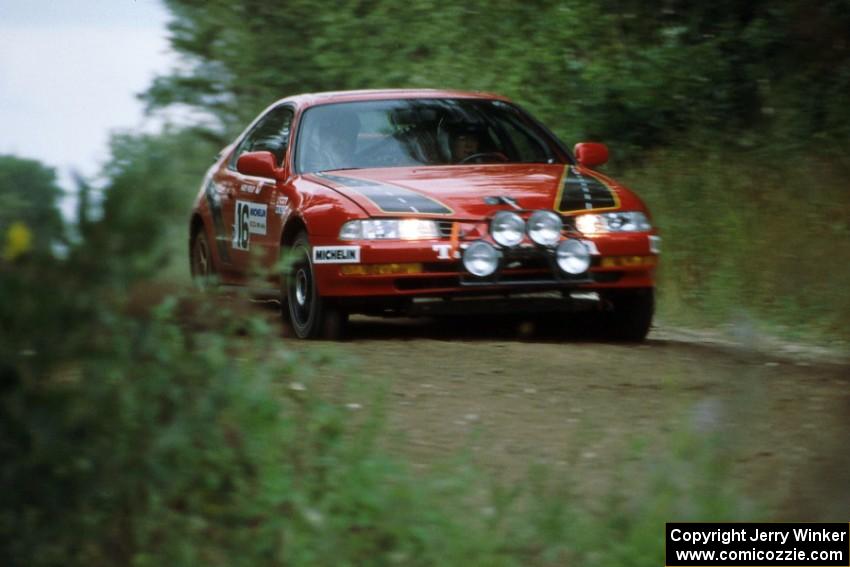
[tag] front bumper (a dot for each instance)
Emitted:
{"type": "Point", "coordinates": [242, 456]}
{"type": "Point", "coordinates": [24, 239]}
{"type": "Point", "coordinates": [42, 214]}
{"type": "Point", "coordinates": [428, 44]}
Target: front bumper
{"type": "Point", "coordinates": [433, 268]}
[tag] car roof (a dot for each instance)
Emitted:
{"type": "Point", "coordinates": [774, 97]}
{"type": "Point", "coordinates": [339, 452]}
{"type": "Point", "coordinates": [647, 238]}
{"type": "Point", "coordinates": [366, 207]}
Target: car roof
{"type": "Point", "coordinates": [313, 99]}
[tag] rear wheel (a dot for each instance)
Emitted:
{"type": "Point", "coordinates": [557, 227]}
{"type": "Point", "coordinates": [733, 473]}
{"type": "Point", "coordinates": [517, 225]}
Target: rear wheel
{"type": "Point", "coordinates": [631, 314]}
{"type": "Point", "coordinates": [309, 314]}
{"type": "Point", "coordinates": [201, 263]}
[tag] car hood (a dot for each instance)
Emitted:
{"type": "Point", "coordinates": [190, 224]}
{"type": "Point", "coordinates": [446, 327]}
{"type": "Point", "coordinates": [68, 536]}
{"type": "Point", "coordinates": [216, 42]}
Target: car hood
{"type": "Point", "coordinates": [475, 191]}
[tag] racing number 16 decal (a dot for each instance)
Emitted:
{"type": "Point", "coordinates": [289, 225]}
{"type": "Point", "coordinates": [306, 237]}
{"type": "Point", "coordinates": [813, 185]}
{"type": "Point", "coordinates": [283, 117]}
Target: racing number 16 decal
{"type": "Point", "coordinates": [240, 227]}
{"type": "Point", "coordinates": [250, 219]}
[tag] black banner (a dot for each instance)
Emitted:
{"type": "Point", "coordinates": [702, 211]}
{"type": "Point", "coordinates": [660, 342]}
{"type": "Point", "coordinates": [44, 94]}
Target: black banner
{"type": "Point", "coordinates": [764, 545]}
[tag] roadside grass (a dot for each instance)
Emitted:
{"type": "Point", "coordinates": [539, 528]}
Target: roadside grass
{"type": "Point", "coordinates": [751, 237]}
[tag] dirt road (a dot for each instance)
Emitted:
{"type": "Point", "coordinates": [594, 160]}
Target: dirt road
{"type": "Point", "coordinates": [508, 399]}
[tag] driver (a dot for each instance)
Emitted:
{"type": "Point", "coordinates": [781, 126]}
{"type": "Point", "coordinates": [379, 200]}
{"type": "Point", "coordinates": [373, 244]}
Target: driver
{"type": "Point", "coordinates": [465, 142]}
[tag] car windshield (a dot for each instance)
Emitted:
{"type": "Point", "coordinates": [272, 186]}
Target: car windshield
{"type": "Point", "coordinates": [410, 132]}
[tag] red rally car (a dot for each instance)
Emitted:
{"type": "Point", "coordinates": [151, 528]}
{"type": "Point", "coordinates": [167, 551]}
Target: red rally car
{"type": "Point", "coordinates": [421, 202]}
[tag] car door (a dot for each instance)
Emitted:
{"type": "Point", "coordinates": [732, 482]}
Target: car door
{"type": "Point", "coordinates": [249, 214]}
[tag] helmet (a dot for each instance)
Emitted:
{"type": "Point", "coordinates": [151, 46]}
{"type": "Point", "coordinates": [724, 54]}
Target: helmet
{"type": "Point", "coordinates": [451, 131]}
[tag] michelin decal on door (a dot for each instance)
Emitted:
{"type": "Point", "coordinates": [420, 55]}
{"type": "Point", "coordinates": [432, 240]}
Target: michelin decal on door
{"type": "Point", "coordinates": [250, 219]}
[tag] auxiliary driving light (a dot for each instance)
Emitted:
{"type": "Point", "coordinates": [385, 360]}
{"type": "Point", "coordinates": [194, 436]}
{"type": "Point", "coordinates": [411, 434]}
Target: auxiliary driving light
{"type": "Point", "coordinates": [481, 259]}
{"type": "Point", "coordinates": [544, 228]}
{"type": "Point", "coordinates": [507, 228]}
{"type": "Point", "coordinates": [573, 257]}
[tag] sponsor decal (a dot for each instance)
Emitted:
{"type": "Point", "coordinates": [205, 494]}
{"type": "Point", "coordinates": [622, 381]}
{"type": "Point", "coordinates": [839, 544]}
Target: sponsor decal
{"type": "Point", "coordinates": [391, 198]}
{"type": "Point", "coordinates": [250, 219]}
{"type": "Point", "coordinates": [583, 192]}
{"type": "Point", "coordinates": [257, 217]}
{"type": "Point", "coordinates": [253, 188]}
{"type": "Point", "coordinates": [443, 251]}
{"type": "Point", "coordinates": [336, 254]}
{"type": "Point", "coordinates": [280, 207]}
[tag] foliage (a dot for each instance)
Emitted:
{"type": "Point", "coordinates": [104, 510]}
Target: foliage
{"type": "Point", "coordinates": [152, 180]}
{"type": "Point", "coordinates": [626, 72]}
{"type": "Point", "coordinates": [162, 448]}
{"type": "Point", "coordinates": [29, 196]}
{"type": "Point", "coordinates": [750, 235]}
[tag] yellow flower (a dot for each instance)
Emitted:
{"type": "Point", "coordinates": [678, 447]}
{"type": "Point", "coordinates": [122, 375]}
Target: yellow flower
{"type": "Point", "coordinates": [18, 241]}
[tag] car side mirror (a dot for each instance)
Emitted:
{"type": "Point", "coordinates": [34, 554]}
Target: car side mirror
{"type": "Point", "coordinates": [258, 164]}
{"type": "Point", "coordinates": [591, 154]}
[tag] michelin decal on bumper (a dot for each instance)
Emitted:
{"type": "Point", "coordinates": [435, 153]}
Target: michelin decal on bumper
{"type": "Point", "coordinates": [336, 255]}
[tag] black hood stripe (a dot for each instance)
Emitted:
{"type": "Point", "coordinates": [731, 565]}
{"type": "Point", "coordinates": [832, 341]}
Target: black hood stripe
{"type": "Point", "coordinates": [581, 192]}
{"type": "Point", "coordinates": [390, 198]}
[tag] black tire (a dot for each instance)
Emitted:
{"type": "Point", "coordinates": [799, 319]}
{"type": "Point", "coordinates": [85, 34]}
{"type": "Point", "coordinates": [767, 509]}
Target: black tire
{"type": "Point", "coordinates": [201, 262]}
{"type": "Point", "coordinates": [631, 314]}
{"type": "Point", "coordinates": [308, 314]}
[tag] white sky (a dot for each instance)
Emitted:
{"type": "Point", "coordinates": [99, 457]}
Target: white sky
{"type": "Point", "coordinates": [69, 73]}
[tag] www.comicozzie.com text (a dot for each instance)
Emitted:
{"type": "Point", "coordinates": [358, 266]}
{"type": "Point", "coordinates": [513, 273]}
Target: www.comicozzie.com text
{"type": "Point", "coordinates": [781, 536]}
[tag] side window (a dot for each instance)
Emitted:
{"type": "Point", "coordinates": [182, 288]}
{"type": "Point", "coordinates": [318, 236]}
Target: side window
{"type": "Point", "coordinates": [270, 134]}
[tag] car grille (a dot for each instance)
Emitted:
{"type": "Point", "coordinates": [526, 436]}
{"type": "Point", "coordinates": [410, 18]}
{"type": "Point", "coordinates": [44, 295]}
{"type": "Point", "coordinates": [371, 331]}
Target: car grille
{"type": "Point", "coordinates": [445, 228]}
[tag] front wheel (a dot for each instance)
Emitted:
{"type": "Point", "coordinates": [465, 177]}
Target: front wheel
{"type": "Point", "coordinates": [631, 314]}
{"type": "Point", "coordinates": [310, 315]}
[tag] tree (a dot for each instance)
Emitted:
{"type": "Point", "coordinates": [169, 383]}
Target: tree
{"type": "Point", "coordinates": [29, 197]}
{"type": "Point", "coordinates": [627, 71]}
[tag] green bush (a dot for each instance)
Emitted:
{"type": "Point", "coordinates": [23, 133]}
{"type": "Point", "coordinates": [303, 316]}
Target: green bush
{"type": "Point", "coordinates": [180, 434]}
{"type": "Point", "coordinates": [29, 194]}
{"type": "Point", "coordinates": [161, 446]}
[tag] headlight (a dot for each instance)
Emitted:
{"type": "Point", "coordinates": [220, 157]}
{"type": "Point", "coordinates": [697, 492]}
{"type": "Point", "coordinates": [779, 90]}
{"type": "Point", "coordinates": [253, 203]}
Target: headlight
{"type": "Point", "coordinates": [544, 228]}
{"type": "Point", "coordinates": [382, 229]}
{"type": "Point", "coordinates": [481, 259]}
{"type": "Point", "coordinates": [627, 221]}
{"type": "Point", "coordinates": [507, 228]}
{"type": "Point", "coordinates": [573, 257]}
